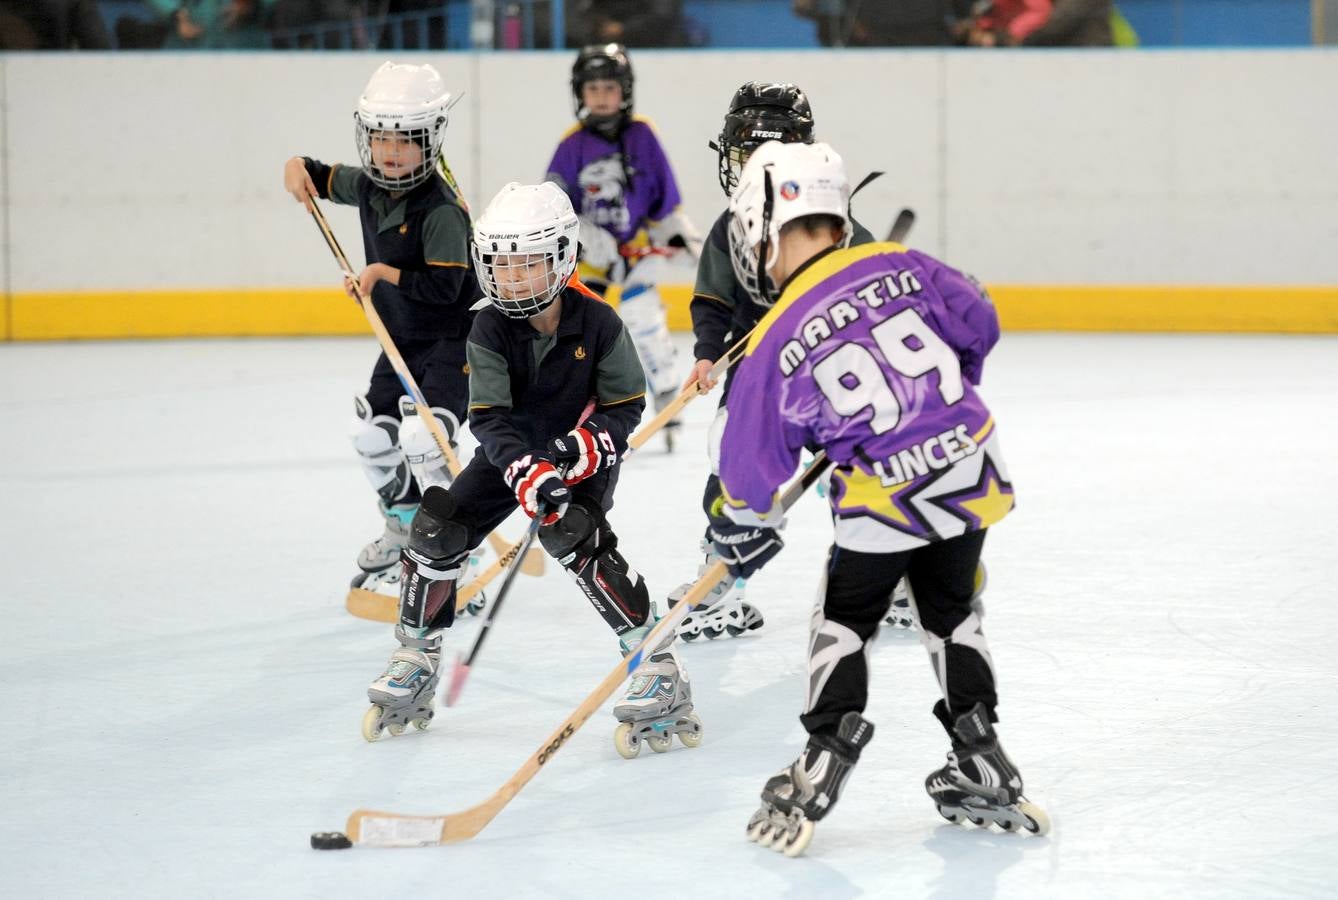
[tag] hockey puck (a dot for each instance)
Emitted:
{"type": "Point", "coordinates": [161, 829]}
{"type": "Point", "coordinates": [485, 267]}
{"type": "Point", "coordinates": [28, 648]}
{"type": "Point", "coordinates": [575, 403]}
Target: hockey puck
{"type": "Point", "coordinates": [330, 840]}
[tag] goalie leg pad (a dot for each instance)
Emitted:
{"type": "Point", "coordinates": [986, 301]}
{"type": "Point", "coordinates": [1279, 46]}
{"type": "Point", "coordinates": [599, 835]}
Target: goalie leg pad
{"type": "Point", "coordinates": [643, 314]}
{"type": "Point", "coordinates": [439, 545]}
{"type": "Point", "coordinates": [582, 542]}
{"type": "Point", "coordinates": [376, 440]}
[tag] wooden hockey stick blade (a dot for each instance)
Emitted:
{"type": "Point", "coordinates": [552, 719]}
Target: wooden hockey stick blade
{"type": "Point", "coordinates": [901, 226]}
{"type": "Point", "coordinates": [375, 828]}
{"type": "Point", "coordinates": [367, 604]}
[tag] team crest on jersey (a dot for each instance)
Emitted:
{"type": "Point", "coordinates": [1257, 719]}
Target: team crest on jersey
{"type": "Point", "coordinates": [580, 352]}
{"type": "Point", "coordinates": [404, 229]}
{"type": "Point", "coordinates": [789, 190]}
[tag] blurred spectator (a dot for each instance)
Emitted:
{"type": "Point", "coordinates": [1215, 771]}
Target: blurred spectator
{"type": "Point", "coordinates": [294, 24]}
{"type": "Point", "coordinates": [1075, 23]}
{"type": "Point", "coordinates": [52, 25]}
{"type": "Point", "coordinates": [214, 24]}
{"type": "Point", "coordinates": [1005, 22]}
{"type": "Point", "coordinates": [632, 23]}
{"type": "Point", "coordinates": [413, 25]}
{"type": "Point", "coordinates": [884, 23]}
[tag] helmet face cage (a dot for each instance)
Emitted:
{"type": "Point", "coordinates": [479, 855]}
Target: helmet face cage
{"type": "Point", "coordinates": [522, 284]}
{"type": "Point", "coordinates": [429, 139]}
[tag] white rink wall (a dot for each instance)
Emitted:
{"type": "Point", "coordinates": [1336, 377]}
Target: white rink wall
{"type": "Point", "coordinates": [163, 171]}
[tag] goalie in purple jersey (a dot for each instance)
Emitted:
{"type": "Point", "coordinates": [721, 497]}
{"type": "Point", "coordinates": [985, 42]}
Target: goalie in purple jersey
{"type": "Point", "coordinates": [633, 230]}
{"type": "Point", "coordinates": [872, 354]}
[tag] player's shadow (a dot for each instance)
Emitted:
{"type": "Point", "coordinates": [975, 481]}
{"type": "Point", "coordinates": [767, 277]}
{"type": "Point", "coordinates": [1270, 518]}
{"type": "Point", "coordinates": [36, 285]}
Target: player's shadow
{"type": "Point", "coordinates": [974, 858]}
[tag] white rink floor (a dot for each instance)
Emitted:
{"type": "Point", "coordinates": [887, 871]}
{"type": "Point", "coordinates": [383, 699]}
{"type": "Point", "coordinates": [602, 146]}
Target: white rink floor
{"type": "Point", "coordinates": [182, 688]}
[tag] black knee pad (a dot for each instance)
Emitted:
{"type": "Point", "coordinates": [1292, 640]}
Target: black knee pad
{"type": "Point", "coordinates": [436, 532]}
{"type": "Point", "coordinates": [585, 546]}
{"type": "Point", "coordinates": [577, 533]}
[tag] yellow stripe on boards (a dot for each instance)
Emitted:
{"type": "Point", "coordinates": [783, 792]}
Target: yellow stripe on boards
{"type": "Point", "coordinates": [326, 311]}
{"type": "Point", "coordinates": [1201, 308]}
{"type": "Point", "coordinates": [185, 313]}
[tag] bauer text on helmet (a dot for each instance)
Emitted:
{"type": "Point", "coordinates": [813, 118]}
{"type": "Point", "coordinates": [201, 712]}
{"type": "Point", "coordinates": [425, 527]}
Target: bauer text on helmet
{"type": "Point", "coordinates": [782, 183]}
{"type": "Point", "coordinates": [400, 125]}
{"type": "Point", "coordinates": [524, 248]}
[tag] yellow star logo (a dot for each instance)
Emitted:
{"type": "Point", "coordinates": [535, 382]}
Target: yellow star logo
{"type": "Point", "coordinates": [863, 491]}
{"type": "Point", "coordinates": [992, 506]}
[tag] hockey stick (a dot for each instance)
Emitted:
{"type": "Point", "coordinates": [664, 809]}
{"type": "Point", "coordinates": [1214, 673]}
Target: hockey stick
{"type": "Point", "coordinates": [533, 564]}
{"type": "Point", "coordinates": [462, 662]}
{"type": "Point", "coordinates": [371, 828]}
{"type": "Point", "coordinates": [686, 396]}
{"type": "Point", "coordinates": [901, 226]}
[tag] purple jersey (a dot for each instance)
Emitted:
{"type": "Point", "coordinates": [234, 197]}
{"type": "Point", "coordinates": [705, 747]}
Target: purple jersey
{"type": "Point", "coordinates": [873, 354]}
{"type": "Point", "coordinates": [621, 186]}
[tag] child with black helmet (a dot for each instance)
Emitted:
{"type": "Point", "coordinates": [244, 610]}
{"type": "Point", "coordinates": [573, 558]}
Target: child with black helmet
{"type": "Point", "coordinates": [634, 233]}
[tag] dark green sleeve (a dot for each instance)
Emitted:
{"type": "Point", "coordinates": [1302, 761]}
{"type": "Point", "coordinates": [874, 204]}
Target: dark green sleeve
{"type": "Point", "coordinates": [619, 376]}
{"type": "Point", "coordinates": [490, 404]}
{"type": "Point", "coordinates": [343, 186]}
{"type": "Point", "coordinates": [712, 304]}
{"type": "Point", "coordinates": [446, 236]}
{"type": "Point", "coordinates": [489, 379]}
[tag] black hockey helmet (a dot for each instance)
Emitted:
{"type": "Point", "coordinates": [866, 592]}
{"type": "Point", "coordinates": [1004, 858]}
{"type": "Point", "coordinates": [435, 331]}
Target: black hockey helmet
{"type": "Point", "coordinates": [760, 111]}
{"type": "Point", "coordinates": [603, 62]}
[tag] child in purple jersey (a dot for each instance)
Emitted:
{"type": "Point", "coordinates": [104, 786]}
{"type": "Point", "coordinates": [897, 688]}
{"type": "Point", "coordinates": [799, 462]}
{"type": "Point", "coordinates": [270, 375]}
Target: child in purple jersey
{"type": "Point", "coordinates": [872, 354]}
{"type": "Point", "coordinates": [633, 231]}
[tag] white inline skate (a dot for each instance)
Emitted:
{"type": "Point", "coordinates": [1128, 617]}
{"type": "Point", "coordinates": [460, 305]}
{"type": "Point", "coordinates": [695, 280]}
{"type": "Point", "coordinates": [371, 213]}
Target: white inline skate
{"type": "Point", "coordinates": [657, 707]}
{"type": "Point", "coordinates": [980, 783]}
{"type": "Point", "coordinates": [802, 793]}
{"type": "Point", "coordinates": [403, 695]}
{"type": "Point", "coordinates": [722, 612]}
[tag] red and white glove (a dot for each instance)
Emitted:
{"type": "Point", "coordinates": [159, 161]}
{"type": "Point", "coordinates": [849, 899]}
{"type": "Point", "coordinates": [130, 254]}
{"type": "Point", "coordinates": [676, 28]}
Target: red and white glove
{"type": "Point", "coordinates": [538, 487]}
{"type": "Point", "coordinates": [584, 450]}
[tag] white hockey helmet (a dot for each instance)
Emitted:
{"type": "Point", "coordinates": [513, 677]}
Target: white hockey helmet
{"type": "Point", "coordinates": [524, 247]}
{"type": "Point", "coordinates": [409, 101]}
{"type": "Point", "coordinates": [781, 183]}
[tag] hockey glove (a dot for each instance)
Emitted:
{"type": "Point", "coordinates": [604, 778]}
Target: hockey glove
{"type": "Point", "coordinates": [538, 487]}
{"type": "Point", "coordinates": [584, 451]}
{"type": "Point", "coordinates": [744, 548]}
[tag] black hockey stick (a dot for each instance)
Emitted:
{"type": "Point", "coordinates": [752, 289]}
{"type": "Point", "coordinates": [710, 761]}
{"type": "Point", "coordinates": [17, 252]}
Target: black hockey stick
{"type": "Point", "coordinates": [901, 226]}
{"type": "Point", "coordinates": [461, 670]}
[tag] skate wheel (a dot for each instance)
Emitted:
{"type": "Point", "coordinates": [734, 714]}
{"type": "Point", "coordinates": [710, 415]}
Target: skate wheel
{"type": "Point", "coordinates": [688, 635]}
{"type": "Point", "coordinates": [1038, 822]}
{"type": "Point", "coordinates": [975, 820]}
{"type": "Point", "coordinates": [660, 743]}
{"type": "Point", "coordinates": [692, 738]}
{"type": "Point", "coordinates": [395, 730]}
{"type": "Point", "coordinates": [371, 724]}
{"type": "Point", "coordinates": [421, 724]}
{"type": "Point", "coordinates": [627, 744]}
{"type": "Point", "coordinates": [712, 633]}
{"type": "Point", "coordinates": [799, 843]}
{"type": "Point", "coordinates": [734, 630]}
{"type": "Point", "coordinates": [951, 816]}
